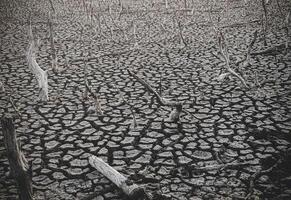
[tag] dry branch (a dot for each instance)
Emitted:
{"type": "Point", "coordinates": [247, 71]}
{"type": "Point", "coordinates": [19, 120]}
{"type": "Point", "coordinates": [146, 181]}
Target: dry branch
{"type": "Point", "coordinates": [257, 175]}
{"type": "Point", "coordinates": [287, 31]}
{"type": "Point", "coordinates": [224, 51]}
{"type": "Point", "coordinates": [52, 6]}
{"type": "Point", "coordinates": [40, 75]}
{"type": "Point", "coordinates": [134, 122]}
{"type": "Point", "coordinates": [164, 102]}
{"type": "Point", "coordinates": [53, 49]}
{"type": "Point", "coordinates": [97, 103]}
{"type": "Point", "coordinates": [18, 164]}
{"type": "Point", "coordinates": [264, 21]}
{"type": "Point", "coordinates": [271, 50]}
{"type": "Point", "coordinates": [221, 166]}
{"type": "Point", "coordinates": [130, 189]}
{"type": "Point", "coordinates": [250, 46]}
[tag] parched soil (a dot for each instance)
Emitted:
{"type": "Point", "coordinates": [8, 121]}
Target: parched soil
{"type": "Point", "coordinates": [221, 123]}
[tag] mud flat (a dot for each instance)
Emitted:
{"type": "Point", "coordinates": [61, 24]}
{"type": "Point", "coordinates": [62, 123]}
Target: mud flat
{"type": "Point", "coordinates": [221, 122]}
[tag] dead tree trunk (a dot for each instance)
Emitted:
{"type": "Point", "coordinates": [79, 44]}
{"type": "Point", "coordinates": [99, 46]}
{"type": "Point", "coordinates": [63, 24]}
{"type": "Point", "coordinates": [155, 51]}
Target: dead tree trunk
{"type": "Point", "coordinates": [19, 168]}
{"type": "Point", "coordinates": [130, 189]}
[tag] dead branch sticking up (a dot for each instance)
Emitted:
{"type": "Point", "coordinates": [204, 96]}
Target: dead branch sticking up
{"type": "Point", "coordinates": [224, 52]}
{"type": "Point", "coordinates": [40, 75]}
{"type": "Point", "coordinates": [53, 49]}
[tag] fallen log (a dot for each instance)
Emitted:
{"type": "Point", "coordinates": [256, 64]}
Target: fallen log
{"type": "Point", "coordinates": [178, 107]}
{"type": "Point", "coordinates": [130, 189]}
{"type": "Point", "coordinates": [19, 168]}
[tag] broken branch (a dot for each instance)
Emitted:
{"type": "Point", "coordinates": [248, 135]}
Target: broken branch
{"type": "Point", "coordinates": [164, 102]}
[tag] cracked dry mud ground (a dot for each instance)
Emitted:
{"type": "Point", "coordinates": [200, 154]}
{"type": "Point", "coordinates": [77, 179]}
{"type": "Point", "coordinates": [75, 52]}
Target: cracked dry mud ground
{"type": "Point", "coordinates": [224, 122]}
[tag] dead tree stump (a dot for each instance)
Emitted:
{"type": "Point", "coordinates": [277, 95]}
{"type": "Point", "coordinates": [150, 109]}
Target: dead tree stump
{"type": "Point", "coordinates": [19, 168]}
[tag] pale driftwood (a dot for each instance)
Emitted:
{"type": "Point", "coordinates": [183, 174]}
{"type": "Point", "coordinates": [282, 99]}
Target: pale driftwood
{"type": "Point", "coordinates": [174, 116]}
{"type": "Point", "coordinates": [130, 189]}
{"type": "Point", "coordinates": [19, 168]}
{"type": "Point", "coordinates": [40, 75]}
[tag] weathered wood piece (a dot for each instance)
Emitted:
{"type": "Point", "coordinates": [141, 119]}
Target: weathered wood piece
{"type": "Point", "coordinates": [40, 75]}
{"type": "Point", "coordinates": [19, 168]}
{"type": "Point", "coordinates": [164, 102]}
{"type": "Point", "coordinates": [130, 189]}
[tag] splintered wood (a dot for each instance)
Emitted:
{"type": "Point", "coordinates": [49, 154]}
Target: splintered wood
{"type": "Point", "coordinates": [40, 75]}
{"type": "Point", "coordinates": [130, 189]}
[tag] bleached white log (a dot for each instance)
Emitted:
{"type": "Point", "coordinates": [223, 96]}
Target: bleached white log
{"type": "Point", "coordinates": [113, 175]}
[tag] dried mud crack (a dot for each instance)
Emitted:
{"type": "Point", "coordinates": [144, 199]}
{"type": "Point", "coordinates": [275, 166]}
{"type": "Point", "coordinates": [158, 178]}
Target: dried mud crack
{"type": "Point", "coordinates": [230, 142]}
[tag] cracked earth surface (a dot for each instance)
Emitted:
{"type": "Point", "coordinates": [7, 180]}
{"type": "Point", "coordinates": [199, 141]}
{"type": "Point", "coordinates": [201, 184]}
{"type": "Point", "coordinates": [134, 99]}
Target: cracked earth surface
{"type": "Point", "coordinates": [221, 122]}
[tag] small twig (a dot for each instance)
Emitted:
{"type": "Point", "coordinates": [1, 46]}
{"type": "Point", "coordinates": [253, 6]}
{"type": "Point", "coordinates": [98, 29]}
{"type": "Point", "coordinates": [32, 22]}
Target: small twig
{"type": "Point", "coordinates": [131, 110]}
{"type": "Point", "coordinates": [14, 107]}
{"type": "Point", "coordinates": [271, 50]}
{"type": "Point", "coordinates": [182, 39]}
{"type": "Point", "coordinates": [287, 31]}
{"type": "Point", "coordinates": [221, 166]}
{"type": "Point", "coordinates": [53, 49]}
{"type": "Point", "coordinates": [52, 6]}
{"type": "Point", "coordinates": [247, 61]}
{"type": "Point", "coordinates": [264, 21]}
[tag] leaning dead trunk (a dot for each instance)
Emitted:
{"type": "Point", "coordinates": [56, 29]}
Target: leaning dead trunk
{"type": "Point", "coordinates": [40, 75]}
{"type": "Point", "coordinates": [19, 168]}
